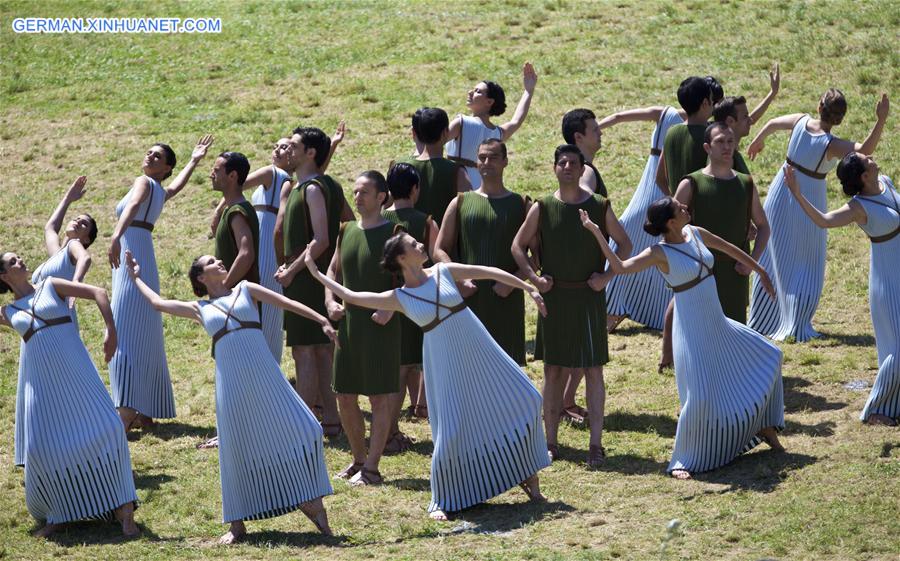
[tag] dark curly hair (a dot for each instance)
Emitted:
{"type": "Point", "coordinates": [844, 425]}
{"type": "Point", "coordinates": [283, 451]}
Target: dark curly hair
{"type": "Point", "coordinates": [658, 213]}
{"type": "Point", "coordinates": [495, 92]}
{"type": "Point", "coordinates": [850, 171]}
{"type": "Point", "coordinates": [194, 274]}
{"type": "Point", "coordinates": [4, 288]}
{"type": "Point", "coordinates": [170, 156]}
{"type": "Point", "coordinates": [393, 249]}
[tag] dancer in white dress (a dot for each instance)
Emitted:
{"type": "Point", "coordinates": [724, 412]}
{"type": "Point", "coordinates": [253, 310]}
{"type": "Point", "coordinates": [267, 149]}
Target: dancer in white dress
{"type": "Point", "coordinates": [271, 459]}
{"type": "Point", "coordinates": [138, 372]}
{"type": "Point", "coordinates": [875, 208]}
{"type": "Point", "coordinates": [68, 436]}
{"type": "Point", "coordinates": [486, 100]}
{"type": "Point", "coordinates": [728, 376]}
{"type": "Point", "coordinates": [485, 413]}
{"type": "Point", "coordinates": [795, 254]}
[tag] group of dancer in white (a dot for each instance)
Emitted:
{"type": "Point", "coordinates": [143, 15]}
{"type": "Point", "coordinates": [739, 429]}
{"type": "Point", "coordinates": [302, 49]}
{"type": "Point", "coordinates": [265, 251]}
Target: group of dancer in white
{"type": "Point", "coordinates": [442, 241]}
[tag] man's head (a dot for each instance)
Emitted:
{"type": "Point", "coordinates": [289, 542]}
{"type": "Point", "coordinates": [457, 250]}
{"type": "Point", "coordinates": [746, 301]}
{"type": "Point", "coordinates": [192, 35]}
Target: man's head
{"type": "Point", "coordinates": [733, 112]}
{"type": "Point", "coordinates": [229, 171]}
{"type": "Point", "coordinates": [579, 127]}
{"type": "Point", "coordinates": [492, 159]}
{"type": "Point", "coordinates": [568, 164]}
{"type": "Point", "coordinates": [403, 182]}
{"type": "Point", "coordinates": [370, 192]}
{"type": "Point", "coordinates": [430, 125]}
{"type": "Point", "coordinates": [695, 96]}
{"type": "Point", "coordinates": [311, 144]}
{"type": "Point", "coordinates": [718, 141]}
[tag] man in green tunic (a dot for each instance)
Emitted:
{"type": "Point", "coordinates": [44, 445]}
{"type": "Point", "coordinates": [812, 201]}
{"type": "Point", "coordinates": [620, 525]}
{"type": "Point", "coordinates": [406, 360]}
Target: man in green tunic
{"type": "Point", "coordinates": [439, 178]}
{"type": "Point", "coordinates": [725, 202]}
{"type": "Point", "coordinates": [367, 358]}
{"type": "Point", "coordinates": [683, 146]}
{"type": "Point", "coordinates": [579, 127]}
{"type": "Point", "coordinates": [237, 234]}
{"type": "Point", "coordinates": [310, 214]}
{"type": "Point", "coordinates": [479, 229]}
{"type": "Point", "coordinates": [573, 335]}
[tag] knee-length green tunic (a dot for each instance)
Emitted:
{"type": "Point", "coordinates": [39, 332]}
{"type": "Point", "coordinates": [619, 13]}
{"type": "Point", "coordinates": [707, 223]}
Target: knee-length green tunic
{"type": "Point", "coordinates": [722, 206]}
{"type": "Point", "coordinates": [297, 234]}
{"type": "Point", "coordinates": [486, 229]}
{"type": "Point", "coordinates": [367, 357]}
{"type": "Point", "coordinates": [416, 223]}
{"type": "Point", "coordinates": [683, 152]}
{"type": "Point", "coordinates": [226, 245]}
{"type": "Point", "coordinates": [573, 335]}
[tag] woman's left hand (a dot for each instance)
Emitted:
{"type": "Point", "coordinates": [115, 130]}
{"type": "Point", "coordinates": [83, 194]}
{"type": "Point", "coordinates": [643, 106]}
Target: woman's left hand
{"type": "Point", "coordinates": [529, 77]}
{"type": "Point", "coordinates": [767, 284]}
{"type": "Point", "coordinates": [329, 332]}
{"type": "Point", "coordinates": [586, 221]}
{"type": "Point", "coordinates": [109, 344]}
{"type": "Point", "coordinates": [539, 302]}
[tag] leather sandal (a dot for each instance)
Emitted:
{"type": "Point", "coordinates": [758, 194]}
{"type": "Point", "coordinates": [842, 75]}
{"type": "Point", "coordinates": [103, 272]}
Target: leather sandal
{"type": "Point", "coordinates": [349, 471]}
{"type": "Point", "coordinates": [332, 430]}
{"type": "Point", "coordinates": [596, 456]}
{"type": "Point", "coordinates": [575, 415]}
{"type": "Point", "coordinates": [397, 444]}
{"type": "Point", "coordinates": [553, 452]}
{"type": "Point", "coordinates": [367, 477]}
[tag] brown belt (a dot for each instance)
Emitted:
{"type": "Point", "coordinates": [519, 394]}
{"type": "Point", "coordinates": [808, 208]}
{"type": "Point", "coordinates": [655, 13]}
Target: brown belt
{"type": "Point", "coordinates": [266, 208]}
{"type": "Point", "coordinates": [141, 224]}
{"type": "Point", "coordinates": [570, 284]}
{"type": "Point", "coordinates": [467, 163]}
{"type": "Point", "coordinates": [437, 321]}
{"type": "Point", "coordinates": [225, 331]}
{"type": "Point", "coordinates": [47, 323]}
{"type": "Point", "coordinates": [805, 171]}
{"type": "Point", "coordinates": [655, 151]}
{"type": "Point", "coordinates": [887, 237]}
{"type": "Point", "coordinates": [690, 284]}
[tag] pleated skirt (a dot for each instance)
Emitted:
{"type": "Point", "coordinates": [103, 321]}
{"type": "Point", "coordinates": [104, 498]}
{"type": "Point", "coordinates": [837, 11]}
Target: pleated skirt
{"type": "Point", "coordinates": [68, 435]}
{"type": "Point", "coordinates": [884, 303]}
{"type": "Point", "coordinates": [729, 383]}
{"type": "Point", "coordinates": [272, 317]}
{"type": "Point", "coordinates": [271, 458]}
{"type": "Point", "coordinates": [138, 371]}
{"type": "Point", "coordinates": [485, 416]}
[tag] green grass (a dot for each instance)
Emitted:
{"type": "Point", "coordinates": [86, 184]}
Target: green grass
{"type": "Point", "coordinates": [91, 104]}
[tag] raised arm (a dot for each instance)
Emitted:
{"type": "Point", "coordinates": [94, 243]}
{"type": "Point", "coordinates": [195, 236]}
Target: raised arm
{"type": "Point", "coordinates": [847, 214]}
{"type": "Point", "coordinates": [67, 289]}
{"type": "Point", "coordinates": [246, 257]}
{"type": "Point", "coordinates": [266, 296]}
{"type": "Point", "coordinates": [190, 310]}
{"type": "Point", "coordinates": [261, 177]}
{"type": "Point", "coordinates": [529, 80]}
{"type": "Point", "coordinates": [783, 123]}
{"type": "Point", "coordinates": [840, 148]}
{"type": "Point", "coordinates": [774, 86]}
{"type": "Point", "coordinates": [447, 235]}
{"type": "Point", "coordinates": [372, 300]}
{"type": "Point", "coordinates": [335, 141]}
{"type": "Point", "coordinates": [631, 115]}
{"type": "Point", "coordinates": [140, 191]}
{"type": "Point", "coordinates": [647, 258]}
{"type": "Point", "coordinates": [199, 152]}
{"type": "Point", "coordinates": [54, 223]}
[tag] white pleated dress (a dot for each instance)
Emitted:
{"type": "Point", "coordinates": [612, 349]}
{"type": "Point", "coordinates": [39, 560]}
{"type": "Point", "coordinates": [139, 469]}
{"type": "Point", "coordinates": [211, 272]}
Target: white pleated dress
{"type": "Point", "coordinates": [883, 219]}
{"type": "Point", "coordinates": [795, 254]}
{"type": "Point", "coordinates": [643, 297]}
{"type": "Point", "coordinates": [485, 414]}
{"type": "Point", "coordinates": [472, 133]}
{"type": "Point", "coordinates": [139, 372]}
{"type": "Point", "coordinates": [271, 458]}
{"type": "Point", "coordinates": [266, 200]}
{"type": "Point", "coordinates": [68, 436]}
{"type": "Point", "coordinates": [728, 376]}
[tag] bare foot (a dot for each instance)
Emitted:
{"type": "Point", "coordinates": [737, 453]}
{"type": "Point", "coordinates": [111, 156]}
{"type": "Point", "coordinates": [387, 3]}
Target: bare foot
{"type": "Point", "coordinates": [883, 420]}
{"type": "Point", "coordinates": [46, 531]}
{"type": "Point", "coordinates": [665, 362]}
{"type": "Point", "coordinates": [129, 418]}
{"type": "Point", "coordinates": [125, 516]}
{"type": "Point", "coordinates": [770, 437]}
{"type": "Point", "coordinates": [235, 533]}
{"type": "Point", "coordinates": [532, 488]}
{"type": "Point", "coordinates": [209, 444]}
{"type": "Point", "coordinates": [681, 474]}
{"type": "Point", "coordinates": [612, 322]}
{"type": "Point", "coordinates": [438, 515]}
{"type": "Point", "coordinates": [315, 511]}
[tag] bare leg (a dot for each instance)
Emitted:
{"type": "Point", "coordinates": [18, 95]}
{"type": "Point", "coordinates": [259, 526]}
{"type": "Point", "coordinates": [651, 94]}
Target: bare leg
{"type": "Point", "coordinates": [354, 425]}
{"type": "Point", "coordinates": [324, 358]}
{"type": "Point", "coordinates": [422, 403]}
{"type": "Point", "coordinates": [235, 533]}
{"type": "Point", "coordinates": [306, 383]}
{"type": "Point", "coordinates": [315, 511]}
{"type": "Point", "coordinates": [665, 360]}
{"type": "Point", "coordinates": [596, 399]}
{"type": "Point", "coordinates": [554, 384]}
{"type": "Point", "coordinates": [532, 488]}
{"type": "Point", "coordinates": [125, 515]}
{"type": "Point", "coordinates": [397, 398]}
{"type": "Point", "coordinates": [382, 413]}
{"type": "Point", "coordinates": [129, 417]}
{"type": "Point", "coordinates": [572, 383]}
{"type": "Point", "coordinates": [770, 436]}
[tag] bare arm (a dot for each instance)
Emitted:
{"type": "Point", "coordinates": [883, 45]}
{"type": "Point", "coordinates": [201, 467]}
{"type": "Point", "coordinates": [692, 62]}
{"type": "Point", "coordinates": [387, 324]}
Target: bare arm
{"type": "Point", "coordinates": [199, 152]}
{"type": "Point", "coordinates": [347, 213]}
{"type": "Point", "coordinates": [246, 256]}
{"type": "Point", "coordinates": [190, 310]}
{"type": "Point", "coordinates": [847, 214]}
{"type": "Point", "coordinates": [783, 123]}
{"type": "Point", "coordinates": [759, 219]}
{"type": "Point", "coordinates": [315, 200]}
{"type": "Point", "coordinates": [453, 129]}
{"type": "Point", "coordinates": [266, 296]}
{"type": "Point", "coordinates": [140, 191]}
{"type": "Point", "coordinates": [529, 79]}
{"type": "Point", "coordinates": [774, 86]}
{"type": "Point", "coordinates": [261, 177]}
{"type": "Point", "coordinates": [647, 258]}
{"type": "Point", "coordinates": [447, 235]}
{"type": "Point", "coordinates": [67, 289]}
{"type": "Point", "coordinates": [840, 148]}
{"type": "Point", "coordinates": [335, 141]}
{"type": "Point", "coordinates": [684, 193]}
{"type": "Point", "coordinates": [433, 233]}
{"type": "Point", "coordinates": [54, 223]}
{"type": "Point", "coordinates": [617, 232]}
{"type": "Point", "coordinates": [631, 115]}
{"type": "Point", "coordinates": [372, 300]}
{"type": "Point", "coordinates": [527, 231]}
{"type": "Point", "coordinates": [662, 176]}
{"type": "Point", "coordinates": [713, 241]}
{"type": "Point", "coordinates": [335, 310]}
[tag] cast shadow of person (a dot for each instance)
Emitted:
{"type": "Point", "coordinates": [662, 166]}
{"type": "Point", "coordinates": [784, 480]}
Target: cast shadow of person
{"type": "Point", "coordinates": [761, 472]}
{"type": "Point", "coordinates": [488, 518]}
{"type": "Point", "coordinates": [797, 400]}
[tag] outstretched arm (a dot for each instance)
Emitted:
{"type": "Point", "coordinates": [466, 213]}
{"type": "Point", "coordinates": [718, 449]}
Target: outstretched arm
{"type": "Point", "coordinates": [461, 272]}
{"type": "Point", "coordinates": [631, 115]}
{"type": "Point", "coordinates": [647, 258]}
{"type": "Point", "coordinates": [199, 152]}
{"type": "Point", "coordinates": [529, 79]}
{"type": "Point", "coordinates": [783, 123]}
{"type": "Point", "coordinates": [67, 289]}
{"type": "Point", "coordinates": [335, 141]}
{"type": "Point", "coordinates": [372, 300]}
{"type": "Point", "coordinates": [140, 191]}
{"type": "Point", "coordinates": [774, 86]}
{"type": "Point", "coordinates": [266, 296]}
{"type": "Point", "coordinates": [847, 214]}
{"type": "Point", "coordinates": [713, 241]}
{"type": "Point", "coordinates": [54, 223]}
{"type": "Point", "coordinates": [840, 148]}
{"type": "Point", "coordinates": [190, 310]}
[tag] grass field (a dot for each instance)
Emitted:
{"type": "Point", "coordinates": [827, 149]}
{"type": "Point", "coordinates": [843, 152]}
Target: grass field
{"type": "Point", "coordinates": [91, 104]}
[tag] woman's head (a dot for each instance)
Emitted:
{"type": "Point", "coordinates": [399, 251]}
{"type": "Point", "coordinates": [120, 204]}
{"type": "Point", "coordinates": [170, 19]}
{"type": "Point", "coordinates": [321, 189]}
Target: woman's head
{"type": "Point", "coordinates": [487, 97]}
{"type": "Point", "coordinates": [854, 170]}
{"type": "Point", "coordinates": [833, 106]}
{"type": "Point", "coordinates": [82, 228]}
{"type": "Point", "coordinates": [664, 215]}
{"type": "Point", "coordinates": [204, 271]}
{"type": "Point", "coordinates": [402, 249]}
{"type": "Point", "coordinates": [283, 154]}
{"type": "Point", "coordinates": [159, 161]}
{"type": "Point", "coordinates": [12, 268]}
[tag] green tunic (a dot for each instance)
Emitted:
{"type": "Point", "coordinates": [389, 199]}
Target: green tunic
{"type": "Point", "coordinates": [573, 335]}
{"type": "Point", "coordinates": [683, 151]}
{"type": "Point", "coordinates": [416, 223]}
{"type": "Point", "coordinates": [367, 357]}
{"type": "Point", "coordinates": [722, 206]}
{"type": "Point", "coordinates": [738, 164]}
{"type": "Point", "coordinates": [226, 245]}
{"type": "Point", "coordinates": [601, 187]}
{"type": "Point", "coordinates": [486, 229]}
{"type": "Point", "coordinates": [437, 185]}
{"type": "Point", "coordinates": [297, 234]}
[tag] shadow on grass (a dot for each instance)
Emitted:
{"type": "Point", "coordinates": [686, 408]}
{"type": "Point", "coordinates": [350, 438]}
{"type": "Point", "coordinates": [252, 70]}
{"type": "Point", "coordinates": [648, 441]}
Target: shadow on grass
{"type": "Point", "coordinates": [627, 464]}
{"type": "Point", "coordinates": [98, 533]}
{"type": "Point", "coordinates": [173, 430]}
{"type": "Point", "coordinates": [662, 425]}
{"type": "Point", "coordinates": [825, 428]}
{"type": "Point", "coordinates": [410, 484]}
{"type": "Point", "coordinates": [303, 538]}
{"type": "Point", "coordinates": [489, 518]}
{"type": "Point", "coordinates": [795, 400]}
{"type": "Point", "coordinates": [850, 340]}
{"type": "Point", "coordinates": [151, 481]}
{"type": "Point", "coordinates": [631, 328]}
{"type": "Point", "coordinates": [761, 472]}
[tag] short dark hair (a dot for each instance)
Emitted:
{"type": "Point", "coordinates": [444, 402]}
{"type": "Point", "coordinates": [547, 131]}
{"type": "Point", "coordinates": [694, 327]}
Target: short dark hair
{"type": "Point", "coordinates": [715, 89]}
{"type": "Point", "coordinates": [692, 92]}
{"type": "Point", "coordinates": [850, 171]}
{"type": "Point", "coordinates": [170, 156]}
{"type": "Point", "coordinates": [573, 122]}
{"type": "Point", "coordinates": [4, 288]}
{"type": "Point", "coordinates": [834, 106]}
{"type": "Point", "coordinates": [659, 212]}
{"type": "Point", "coordinates": [235, 161]}
{"type": "Point", "coordinates": [92, 230]}
{"type": "Point", "coordinates": [727, 107]}
{"type": "Point", "coordinates": [393, 249]}
{"type": "Point", "coordinates": [401, 179]}
{"type": "Point", "coordinates": [429, 123]}
{"type": "Point", "coordinates": [711, 128]}
{"type": "Point", "coordinates": [567, 149]}
{"type": "Point", "coordinates": [311, 137]}
{"type": "Point", "coordinates": [380, 181]}
{"type": "Point", "coordinates": [194, 275]}
{"type": "Point", "coordinates": [495, 92]}
{"type": "Point", "coordinates": [494, 142]}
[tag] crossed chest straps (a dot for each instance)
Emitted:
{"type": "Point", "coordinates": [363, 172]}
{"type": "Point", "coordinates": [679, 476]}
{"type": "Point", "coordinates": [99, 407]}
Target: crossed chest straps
{"type": "Point", "coordinates": [896, 231]}
{"type": "Point", "coordinates": [437, 305]}
{"type": "Point", "coordinates": [704, 273]}
{"type": "Point", "coordinates": [143, 224]}
{"type": "Point", "coordinates": [48, 322]}
{"type": "Point", "coordinates": [229, 314]}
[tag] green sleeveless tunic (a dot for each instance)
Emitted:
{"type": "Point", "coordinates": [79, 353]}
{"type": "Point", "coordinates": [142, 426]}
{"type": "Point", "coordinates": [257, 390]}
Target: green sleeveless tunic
{"type": "Point", "coordinates": [226, 245]}
{"type": "Point", "coordinates": [722, 206]}
{"type": "Point", "coordinates": [573, 335]}
{"type": "Point", "coordinates": [601, 187]}
{"type": "Point", "coordinates": [437, 185]}
{"type": "Point", "coordinates": [486, 229]}
{"type": "Point", "coordinates": [683, 151]}
{"type": "Point", "coordinates": [367, 357]}
{"type": "Point", "coordinates": [411, 337]}
{"type": "Point", "coordinates": [738, 164]}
